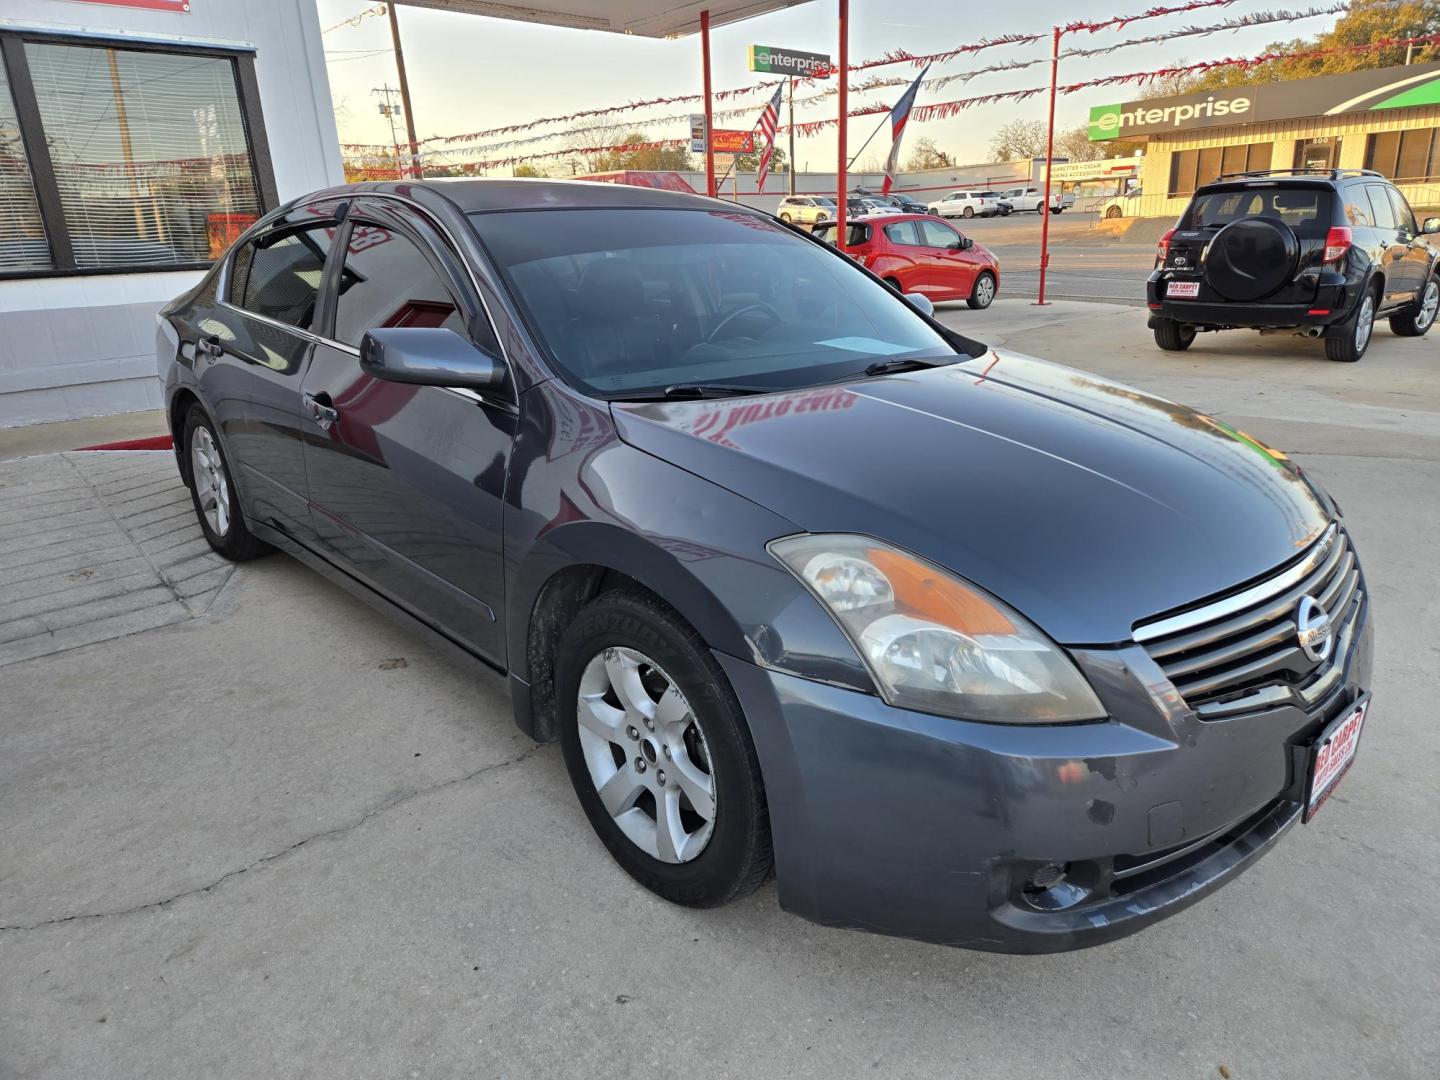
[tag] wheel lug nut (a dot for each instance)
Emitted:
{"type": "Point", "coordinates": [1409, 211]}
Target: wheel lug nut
{"type": "Point", "coordinates": [640, 764]}
{"type": "Point", "coordinates": [666, 750]}
{"type": "Point", "coordinates": [631, 732]}
{"type": "Point", "coordinates": [649, 724]}
{"type": "Point", "coordinates": [660, 776]}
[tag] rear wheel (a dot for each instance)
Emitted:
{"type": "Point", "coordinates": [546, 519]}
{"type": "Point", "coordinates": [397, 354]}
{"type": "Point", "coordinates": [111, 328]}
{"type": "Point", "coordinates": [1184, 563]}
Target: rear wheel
{"type": "Point", "coordinates": [982, 293]}
{"type": "Point", "coordinates": [1419, 319]}
{"type": "Point", "coordinates": [213, 492]}
{"type": "Point", "coordinates": [1347, 341]}
{"type": "Point", "coordinates": [659, 752]}
{"type": "Point", "coordinates": [968, 212]}
{"type": "Point", "coordinates": [1172, 337]}
{"type": "Point", "coordinates": [894, 283]}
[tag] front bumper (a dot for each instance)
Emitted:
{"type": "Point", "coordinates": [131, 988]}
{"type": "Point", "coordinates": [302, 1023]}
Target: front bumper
{"type": "Point", "coordinates": [919, 826]}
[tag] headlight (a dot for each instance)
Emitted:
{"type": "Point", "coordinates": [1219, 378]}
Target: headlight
{"type": "Point", "coordinates": [936, 643]}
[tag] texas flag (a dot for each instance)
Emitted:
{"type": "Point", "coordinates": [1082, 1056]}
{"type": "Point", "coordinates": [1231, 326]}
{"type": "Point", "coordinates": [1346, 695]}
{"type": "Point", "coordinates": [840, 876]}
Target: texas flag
{"type": "Point", "coordinates": [898, 115]}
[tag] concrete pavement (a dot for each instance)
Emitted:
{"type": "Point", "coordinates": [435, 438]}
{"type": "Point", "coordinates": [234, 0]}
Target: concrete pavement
{"type": "Point", "coordinates": [283, 838]}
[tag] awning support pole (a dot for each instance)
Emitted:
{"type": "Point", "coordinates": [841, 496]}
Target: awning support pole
{"type": "Point", "coordinates": [1049, 166]}
{"type": "Point", "coordinates": [709, 108]}
{"type": "Point", "coordinates": [841, 233]}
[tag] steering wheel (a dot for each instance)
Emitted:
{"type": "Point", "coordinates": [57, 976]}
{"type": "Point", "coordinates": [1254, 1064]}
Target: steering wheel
{"type": "Point", "coordinates": [775, 318]}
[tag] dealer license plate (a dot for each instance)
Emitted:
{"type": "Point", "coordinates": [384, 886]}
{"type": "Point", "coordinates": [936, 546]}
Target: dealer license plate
{"type": "Point", "coordinates": [1332, 755]}
{"type": "Point", "coordinates": [1183, 289]}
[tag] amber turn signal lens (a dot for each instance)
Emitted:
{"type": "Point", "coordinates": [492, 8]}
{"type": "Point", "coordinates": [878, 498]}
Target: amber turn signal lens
{"type": "Point", "coordinates": [926, 594]}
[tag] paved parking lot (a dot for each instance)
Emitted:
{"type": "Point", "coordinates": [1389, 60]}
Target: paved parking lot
{"type": "Point", "coordinates": [277, 836]}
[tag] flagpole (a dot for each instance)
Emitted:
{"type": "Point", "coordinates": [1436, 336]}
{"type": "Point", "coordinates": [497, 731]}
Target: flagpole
{"type": "Point", "coordinates": [791, 164]}
{"type": "Point", "coordinates": [883, 121]}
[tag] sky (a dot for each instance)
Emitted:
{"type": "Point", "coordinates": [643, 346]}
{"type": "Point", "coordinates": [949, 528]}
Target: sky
{"type": "Point", "coordinates": [469, 72]}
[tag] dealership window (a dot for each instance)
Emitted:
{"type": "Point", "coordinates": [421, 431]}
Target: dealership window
{"type": "Point", "coordinates": [1405, 155]}
{"type": "Point", "coordinates": [22, 235]}
{"type": "Point", "coordinates": [136, 157]}
{"type": "Point", "coordinates": [1191, 168]}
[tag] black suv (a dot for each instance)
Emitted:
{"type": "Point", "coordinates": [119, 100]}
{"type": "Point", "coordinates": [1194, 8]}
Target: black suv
{"type": "Point", "coordinates": [1322, 252]}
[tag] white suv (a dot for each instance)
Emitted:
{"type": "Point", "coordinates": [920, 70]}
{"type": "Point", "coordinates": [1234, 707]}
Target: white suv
{"type": "Point", "coordinates": [967, 204]}
{"type": "Point", "coordinates": [1029, 198]}
{"type": "Point", "coordinates": [805, 209]}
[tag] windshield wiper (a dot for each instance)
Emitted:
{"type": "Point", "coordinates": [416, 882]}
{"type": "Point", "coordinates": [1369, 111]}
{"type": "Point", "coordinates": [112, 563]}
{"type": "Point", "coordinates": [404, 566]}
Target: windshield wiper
{"type": "Point", "coordinates": [909, 363]}
{"type": "Point", "coordinates": [687, 391]}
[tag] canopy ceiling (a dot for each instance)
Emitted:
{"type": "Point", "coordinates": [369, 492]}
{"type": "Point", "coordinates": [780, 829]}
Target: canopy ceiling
{"type": "Point", "coordinates": [646, 18]}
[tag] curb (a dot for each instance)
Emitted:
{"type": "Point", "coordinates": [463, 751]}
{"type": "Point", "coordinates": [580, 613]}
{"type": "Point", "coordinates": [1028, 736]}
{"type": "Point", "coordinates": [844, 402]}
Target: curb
{"type": "Point", "coordinates": [154, 442]}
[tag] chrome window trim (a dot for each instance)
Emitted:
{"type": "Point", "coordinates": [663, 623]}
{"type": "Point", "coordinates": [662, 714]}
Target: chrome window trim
{"type": "Point", "coordinates": [1231, 605]}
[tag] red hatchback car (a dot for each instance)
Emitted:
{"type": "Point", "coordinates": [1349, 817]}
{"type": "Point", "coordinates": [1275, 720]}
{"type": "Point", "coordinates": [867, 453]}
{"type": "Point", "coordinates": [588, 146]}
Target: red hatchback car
{"type": "Point", "coordinates": [917, 253]}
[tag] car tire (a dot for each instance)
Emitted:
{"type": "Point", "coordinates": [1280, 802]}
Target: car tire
{"type": "Point", "coordinates": [786, 218]}
{"type": "Point", "coordinates": [1112, 212]}
{"type": "Point", "coordinates": [894, 283]}
{"type": "Point", "coordinates": [653, 652]}
{"type": "Point", "coordinates": [1005, 211]}
{"type": "Point", "coordinates": [982, 293]}
{"type": "Point", "coordinates": [1417, 321]}
{"type": "Point", "coordinates": [1173, 337]}
{"type": "Point", "coordinates": [968, 212]}
{"type": "Point", "coordinates": [213, 494]}
{"type": "Point", "coordinates": [1347, 341]}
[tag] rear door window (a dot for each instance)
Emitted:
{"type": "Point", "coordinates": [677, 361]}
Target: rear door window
{"type": "Point", "coordinates": [903, 232]}
{"type": "Point", "coordinates": [278, 275]}
{"type": "Point", "coordinates": [1381, 208]}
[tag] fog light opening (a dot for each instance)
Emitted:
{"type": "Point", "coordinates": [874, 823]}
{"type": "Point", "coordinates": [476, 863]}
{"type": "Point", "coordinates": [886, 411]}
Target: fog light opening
{"type": "Point", "coordinates": [1052, 888]}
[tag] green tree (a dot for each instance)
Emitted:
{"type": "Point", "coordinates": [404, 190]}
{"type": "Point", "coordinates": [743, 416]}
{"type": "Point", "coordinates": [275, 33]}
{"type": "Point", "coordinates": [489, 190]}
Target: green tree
{"type": "Point", "coordinates": [751, 162]}
{"type": "Point", "coordinates": [662, 158]}
{"type": "Point", "coordinates": [1367, 21]}
{"type": "Point", "coordinates": [526, 169]}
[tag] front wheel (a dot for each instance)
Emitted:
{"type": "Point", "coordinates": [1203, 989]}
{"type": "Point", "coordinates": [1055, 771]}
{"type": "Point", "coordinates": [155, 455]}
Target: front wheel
{"type": "Point", "coordinates": [213, 492]}
{"type": "Point", "coordinates": [1172, 337]}
{"type": "Point", "coordinates": [982, 293]}
{"type": "Point", "coordinates": [1346, 342]}
{"type": "Point", "coordinates": [1005, 211]}
{"type": "Point", "coordinates": [659, 752]}
{"type": "Point", "coordinates": [786, 218]}
{"type": "Point", "coordinates": [1416, 321]}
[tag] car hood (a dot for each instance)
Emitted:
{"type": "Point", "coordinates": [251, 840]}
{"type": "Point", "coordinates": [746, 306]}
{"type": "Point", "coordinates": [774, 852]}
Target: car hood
{"type": "Point", "coordinates": [1085, 504]}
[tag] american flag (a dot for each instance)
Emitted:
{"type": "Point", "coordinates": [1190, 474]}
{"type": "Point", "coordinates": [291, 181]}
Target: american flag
{"type": "Point", "coordinates": [769, 121]}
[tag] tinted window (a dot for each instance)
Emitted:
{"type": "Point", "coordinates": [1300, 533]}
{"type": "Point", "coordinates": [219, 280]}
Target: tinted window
{"type": "Point", "coordinates": [1403, 213]}
{"type": "Point", "coordinates": [1304, 209]}
{"type": "Point", "coordinates": [1382, 211]}
{"type": "Point", "coordinates": [631, 301]}
{"type": "Point", "coordinates": [934, 234]}
{"type": "Point", "coordinates": [278, 275]}
{"type": "Point", "coordinates": [858, 234]}
{"type": "Point", "coordinates": [903, 232]}
{"type": "Point", "coordinates": [388, 281]}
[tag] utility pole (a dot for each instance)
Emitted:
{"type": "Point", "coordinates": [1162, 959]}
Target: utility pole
{"type": "Point", "coordinates": [388, 108]}
{"type": "Point", "coordinates": [790, 161]}
{"type": "Point", "coordinates": [415, 170]}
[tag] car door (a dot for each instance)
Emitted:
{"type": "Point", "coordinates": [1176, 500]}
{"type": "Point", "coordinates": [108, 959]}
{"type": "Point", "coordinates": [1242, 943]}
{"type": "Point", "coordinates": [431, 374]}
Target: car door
{"type": "Point", "coordinates": [904, 258]}
{"type": "Point", "coordinates": [407, 482]}
{"type": "Point", "coordinates": [1417, 251]}
{"type": "Point", "coordinates": [1394, 249]}
{"type": "Point", "coordinates": [951, 272]}
{"type": "Point", "coordinates": [262, 334]}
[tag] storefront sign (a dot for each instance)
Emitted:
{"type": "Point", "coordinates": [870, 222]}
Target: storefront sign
{"type": "Point", "coordinates": [802, 65]}
{"type": "Point", "coordinates": [1409, 87]}
{"type": "Point", "coordinates": [181, 6]}
{"type": "Point", "coordinates": [1074, 171]}
{"type": "Point", "coordinates": [734, 142]}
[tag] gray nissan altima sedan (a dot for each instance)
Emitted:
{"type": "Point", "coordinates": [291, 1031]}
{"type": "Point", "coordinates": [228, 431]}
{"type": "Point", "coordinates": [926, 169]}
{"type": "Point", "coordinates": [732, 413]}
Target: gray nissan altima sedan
{"type": "Point", "coordinates": [958, 644]}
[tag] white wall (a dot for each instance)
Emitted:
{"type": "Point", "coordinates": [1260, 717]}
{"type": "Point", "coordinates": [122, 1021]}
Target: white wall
{"type": "Point", "coordinates": [84, 346]}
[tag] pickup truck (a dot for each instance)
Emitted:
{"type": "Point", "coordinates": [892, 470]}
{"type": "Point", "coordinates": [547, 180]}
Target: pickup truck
{"type": "Point", "coordinates": [1030, 198]}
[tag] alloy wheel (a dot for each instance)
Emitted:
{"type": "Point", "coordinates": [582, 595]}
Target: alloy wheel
{"type": "Point", "coordinates": [212, 489]}
{"type": "Point", "coordinates": [1429, 305]}
{"type": "Point", "coordinates": [1366, 323]}
{"type": "Point", "coordinates": [984, 291]}
{"type": "Point", "coordinates": [646, 755]}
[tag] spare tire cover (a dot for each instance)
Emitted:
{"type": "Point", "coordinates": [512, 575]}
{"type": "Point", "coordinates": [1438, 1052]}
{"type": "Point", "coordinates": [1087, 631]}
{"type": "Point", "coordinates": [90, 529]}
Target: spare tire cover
{"type": "Point", "coordinates": [1249, 259]}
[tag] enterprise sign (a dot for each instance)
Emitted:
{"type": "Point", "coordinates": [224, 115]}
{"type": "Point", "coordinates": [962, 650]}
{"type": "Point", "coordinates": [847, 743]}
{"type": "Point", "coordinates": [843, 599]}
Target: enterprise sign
{"type": "Point", "coordinates": [1415, 86]}
{"type": "Point", "coordinates": [801, 65]}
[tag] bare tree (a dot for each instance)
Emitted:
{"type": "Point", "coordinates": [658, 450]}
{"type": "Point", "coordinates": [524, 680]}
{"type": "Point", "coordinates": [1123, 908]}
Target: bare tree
{"type": "Point", "coordinates": [924, 154]}
{"type": "Point", "coordinates": [1075, 145]}
{"type": "Point", "coordinates": [1018, 139]}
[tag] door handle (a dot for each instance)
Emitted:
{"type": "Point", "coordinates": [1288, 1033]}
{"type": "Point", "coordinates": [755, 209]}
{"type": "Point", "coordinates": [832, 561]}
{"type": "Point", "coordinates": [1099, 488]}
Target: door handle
{"type": "Point", "coordinates": [321, 410]}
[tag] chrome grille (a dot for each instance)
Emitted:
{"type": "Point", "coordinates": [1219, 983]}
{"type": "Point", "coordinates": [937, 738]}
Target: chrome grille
{"type": "Point", "coordinates": [1236, 646]}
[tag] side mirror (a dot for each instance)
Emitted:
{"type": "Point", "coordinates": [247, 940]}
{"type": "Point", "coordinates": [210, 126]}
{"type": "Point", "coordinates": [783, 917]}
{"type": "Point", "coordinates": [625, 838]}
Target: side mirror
{"type": "Point", "coordinates": [921, 303]}
{"type": "Point", "coordinates": [429, 356]}
{"type": "Point", "coordinates": [1431, 225]}
{"type": "Point", "coordinates": [962, 244]}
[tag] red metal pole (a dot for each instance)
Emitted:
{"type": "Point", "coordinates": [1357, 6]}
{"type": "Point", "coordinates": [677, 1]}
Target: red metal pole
{"type": "Point", "coordinates": [709, 111]}
{"type": "Point", "coordinates": [840, 230]}
{"type": "Point", "coordinates": [1049, 165]}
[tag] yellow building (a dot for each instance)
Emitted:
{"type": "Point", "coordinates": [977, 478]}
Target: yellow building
{"type": "Point", "coordinates": [1386, 119]}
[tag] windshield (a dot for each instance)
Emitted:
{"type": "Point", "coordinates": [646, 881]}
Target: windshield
{"type": "Point", "coordinates": [629, 300]}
